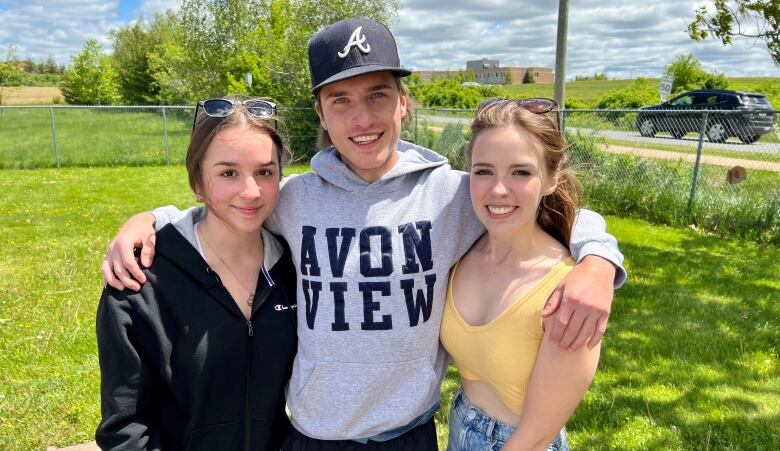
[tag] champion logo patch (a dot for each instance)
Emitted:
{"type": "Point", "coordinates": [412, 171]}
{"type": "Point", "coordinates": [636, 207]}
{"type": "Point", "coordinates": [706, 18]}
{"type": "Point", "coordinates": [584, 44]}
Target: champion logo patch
{"type": "Point", "coordinates": [280, 307]}
{"type": "Point", "coordinates": [357, 39]}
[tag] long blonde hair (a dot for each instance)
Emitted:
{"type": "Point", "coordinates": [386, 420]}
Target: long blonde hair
{"type": "Point", "coordinates": [557, 211]}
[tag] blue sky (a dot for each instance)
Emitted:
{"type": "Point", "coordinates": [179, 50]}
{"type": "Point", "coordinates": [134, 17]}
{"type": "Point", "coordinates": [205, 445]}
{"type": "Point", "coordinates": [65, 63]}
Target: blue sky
{"type": "Point", "coordinates": [624, 38]}
{"type": "Point", "coordinates": [128, 10]}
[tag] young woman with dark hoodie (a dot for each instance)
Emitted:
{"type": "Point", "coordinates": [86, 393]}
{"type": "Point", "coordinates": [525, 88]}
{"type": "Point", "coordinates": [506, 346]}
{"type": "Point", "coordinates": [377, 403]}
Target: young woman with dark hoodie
{"type": "Point", "coordinates": [199, 358]}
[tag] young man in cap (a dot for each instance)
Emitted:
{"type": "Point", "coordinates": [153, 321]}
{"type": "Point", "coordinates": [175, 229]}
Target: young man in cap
{"type": "Point", "coordinates": [374, 231]}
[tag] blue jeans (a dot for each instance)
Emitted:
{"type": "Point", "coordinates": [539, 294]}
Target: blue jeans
{"type": "Point", "coordinates": [473, 430]}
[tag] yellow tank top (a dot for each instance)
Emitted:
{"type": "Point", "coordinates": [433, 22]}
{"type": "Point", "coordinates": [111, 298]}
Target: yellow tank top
{"type": "Point", "coordinates": [502, 352]}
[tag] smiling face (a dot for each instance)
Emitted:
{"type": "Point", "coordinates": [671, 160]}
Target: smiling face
{"type": "Point", "coordinates": [363, 118]}
{"type": "Point", "coordinates": [508, 179]}
{"type": "Point", "coordinates": [240, 177]}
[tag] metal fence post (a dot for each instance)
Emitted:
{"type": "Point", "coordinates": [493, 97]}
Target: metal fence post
{"type": "Point", "coordinates": [562, 125]}
{"type": "Point", "coordinates": [54, 137]}
{"type": "Point", "coordinates": [416, 139]}
{"type": "Point", "coordinates": [695, 180]}
{"type": "Point", "coordinates": [165, 137]}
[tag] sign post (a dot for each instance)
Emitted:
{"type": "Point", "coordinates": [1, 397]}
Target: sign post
{"type": "Point", "coordinates": [665, 87]}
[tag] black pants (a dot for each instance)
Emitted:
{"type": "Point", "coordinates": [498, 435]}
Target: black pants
{"type": "Point", "coordinates": [421, 438]}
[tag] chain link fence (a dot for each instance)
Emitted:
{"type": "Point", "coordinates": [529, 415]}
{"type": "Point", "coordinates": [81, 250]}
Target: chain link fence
{"type": "Point", "coordinates": [716, 170]}
{"type": "Point", "coordinates": [721, 166]}
{"type": "Point", "coordinates": [66, 135]}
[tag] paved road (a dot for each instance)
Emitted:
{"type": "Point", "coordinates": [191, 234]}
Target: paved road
{"type": "Point", "coordinates": [690, 141]}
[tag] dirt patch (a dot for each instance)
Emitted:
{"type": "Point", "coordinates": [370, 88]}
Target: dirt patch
{"type": "Point", "coordinates": [31, 95]}
{"type": "Point", "coordinates": [91, 446]}
{"type": "Point", "coordinates": [705, 159]}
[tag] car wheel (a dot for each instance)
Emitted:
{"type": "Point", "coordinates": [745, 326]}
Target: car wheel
{"type": "Point", "coordinates": [749, 139]}
{"type": "Point", "coordinates": [647, 128]}
{"type": "Point", "coordinates": [716, 132]}
{"type": "Point", "coordinates": [677, 134]}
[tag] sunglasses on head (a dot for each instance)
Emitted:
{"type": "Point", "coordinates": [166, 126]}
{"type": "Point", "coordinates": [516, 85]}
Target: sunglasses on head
{"type": "Point", "coordinates": [536, 105]}
{"type": "Point", "coordinates": [225, 107]}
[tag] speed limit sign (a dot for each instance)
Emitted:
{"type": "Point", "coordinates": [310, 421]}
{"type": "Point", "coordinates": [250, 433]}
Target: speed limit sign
{"type": "Point", "coordinates": [665, 88]}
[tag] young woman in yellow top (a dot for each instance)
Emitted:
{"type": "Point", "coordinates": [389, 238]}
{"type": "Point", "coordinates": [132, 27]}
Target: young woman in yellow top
{"type": "Point", "coordinates": [518, 388]}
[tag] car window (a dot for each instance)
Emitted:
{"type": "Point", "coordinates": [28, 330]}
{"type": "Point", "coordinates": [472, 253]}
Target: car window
{"type": "Point", "coordinates": [755, 100]}
{"type": "Point", "coordinates": [728, 99]}
{"type": "Point", "coordinates": [706, 99]}
{"type": "Point", "coordinates": [683, 101]}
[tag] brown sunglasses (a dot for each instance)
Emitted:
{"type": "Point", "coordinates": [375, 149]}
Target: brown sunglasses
{"type": "Point", "coordinates": [536, 105]}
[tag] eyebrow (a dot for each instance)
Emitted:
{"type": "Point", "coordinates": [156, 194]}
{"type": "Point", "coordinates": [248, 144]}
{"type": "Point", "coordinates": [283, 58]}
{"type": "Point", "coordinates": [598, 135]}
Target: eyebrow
{"type": "Point", "coordinates": [517, 165]}
{"type": "Point", "coordinates": [374, 88]}
{"type": "Point", "coordinates": [231, 163]}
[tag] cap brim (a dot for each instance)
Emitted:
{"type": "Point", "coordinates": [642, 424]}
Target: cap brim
{"type": "Point", "coordinates": [362, 70]}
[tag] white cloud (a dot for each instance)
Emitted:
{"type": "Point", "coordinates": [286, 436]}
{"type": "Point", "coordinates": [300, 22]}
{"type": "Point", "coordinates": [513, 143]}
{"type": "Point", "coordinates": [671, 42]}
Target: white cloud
{"type": "Point", "coordinates": [58, 28]}
{"type": "Point", "coordinates": [148, 8]}
{"type": "Point", "coordinates": [621, 37]}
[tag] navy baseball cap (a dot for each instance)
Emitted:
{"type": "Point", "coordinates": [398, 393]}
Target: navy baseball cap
{"type": "Point", "coordinates": [349, 48]}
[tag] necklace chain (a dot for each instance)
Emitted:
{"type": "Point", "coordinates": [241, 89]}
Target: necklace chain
{"type": "Point", "coordinates": [250, 299]}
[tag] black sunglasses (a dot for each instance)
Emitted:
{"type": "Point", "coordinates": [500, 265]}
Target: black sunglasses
{"type": "Point", "coordinates": [225, 107]}
{"type": "Point", "coordinates": [536, 105]}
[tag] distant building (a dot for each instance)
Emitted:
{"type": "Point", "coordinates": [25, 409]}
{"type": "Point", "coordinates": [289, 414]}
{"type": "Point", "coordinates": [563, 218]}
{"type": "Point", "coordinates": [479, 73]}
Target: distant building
{"type": "Point", "coordinates": [490, 72]}
{"type": "Point", "coordinates": [484, 63]}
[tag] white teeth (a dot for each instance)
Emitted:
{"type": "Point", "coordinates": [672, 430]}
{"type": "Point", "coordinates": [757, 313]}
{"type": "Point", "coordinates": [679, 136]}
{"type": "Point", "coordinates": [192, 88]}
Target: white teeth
{"type": "Point", "coordinates": [500, 210]}
{"type": "Point", "coordinates": [365, 138]}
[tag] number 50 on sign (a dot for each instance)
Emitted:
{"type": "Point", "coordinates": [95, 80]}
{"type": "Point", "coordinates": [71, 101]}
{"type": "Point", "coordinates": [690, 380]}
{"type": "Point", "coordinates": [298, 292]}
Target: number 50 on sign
{"type": "Point", "coordinates": [665, 88]}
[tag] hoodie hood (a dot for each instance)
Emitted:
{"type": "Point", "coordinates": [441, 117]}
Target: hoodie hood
{"type": "Point", "coordinates": [411, 158]}
{"type": "Point", "coordinates": [272, 251]}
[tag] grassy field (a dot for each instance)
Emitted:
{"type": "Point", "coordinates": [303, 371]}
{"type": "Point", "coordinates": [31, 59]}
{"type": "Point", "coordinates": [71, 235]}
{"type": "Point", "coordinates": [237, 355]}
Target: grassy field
{"type": "Point", "coordinates": [690, 361]}
{"type": "Point", "coordinates": [586, 91]}
{"type": "Point", "coordinates": [31, 95]}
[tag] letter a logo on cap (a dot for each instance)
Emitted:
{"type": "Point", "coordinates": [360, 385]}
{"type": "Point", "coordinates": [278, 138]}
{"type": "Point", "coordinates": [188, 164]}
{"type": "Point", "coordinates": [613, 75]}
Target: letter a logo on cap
{"type": "Point", "coordinates": [356, 40]}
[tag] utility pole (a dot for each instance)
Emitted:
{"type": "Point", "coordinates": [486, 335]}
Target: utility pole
{"type": "Point", "coordinates": [560, 56]}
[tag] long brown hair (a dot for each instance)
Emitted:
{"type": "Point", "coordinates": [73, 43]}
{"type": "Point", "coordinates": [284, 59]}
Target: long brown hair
{"type": "Point", "coordinates": [207, 127]}
{"type": "Point", "coordinates": [557, 211]}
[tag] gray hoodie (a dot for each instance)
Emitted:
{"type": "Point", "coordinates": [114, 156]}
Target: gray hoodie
{"type": "Point", "coordinates": [373, 260]}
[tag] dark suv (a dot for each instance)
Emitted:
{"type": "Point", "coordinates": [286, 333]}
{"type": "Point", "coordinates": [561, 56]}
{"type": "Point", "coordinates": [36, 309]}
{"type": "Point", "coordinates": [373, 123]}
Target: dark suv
{"type": "Point", "coordinates": [746, 115]}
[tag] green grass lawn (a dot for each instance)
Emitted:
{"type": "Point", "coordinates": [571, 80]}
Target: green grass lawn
{"type": "Point", "coordinates": [678, 146]}
{"type": "Point", "coordinates": [586, 91]}
{"type": "Point", "coordinates": [690, 360]}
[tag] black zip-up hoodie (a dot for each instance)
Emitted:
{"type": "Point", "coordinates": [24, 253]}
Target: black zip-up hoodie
{"type": "Point", "coordinates": [182, 369]}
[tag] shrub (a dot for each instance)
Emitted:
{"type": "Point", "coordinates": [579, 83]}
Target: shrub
{"type": "Point", "coordinates": [687, 74]}
{"type": "Point", "coordinates": [450, 93]}
{"type": "Point", "coordinates": [636, 95]}
{"type": "Point", "coordinates": [91, 79]}
{"type": "Point", "coordinates": [575, 104]}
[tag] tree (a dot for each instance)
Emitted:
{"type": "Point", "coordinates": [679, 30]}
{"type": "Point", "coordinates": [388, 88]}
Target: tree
{"type": "Point", "coordinates": [10, 75]}
{"type": "Point", "coordinates": [91, 79]}
{"type": "Point", "coordinates": [208, 46]}
{"type": "Point", "coordinates": [757, 19]}
{"type": "Point", "coordinates": [50, 66]}
{"type": "Point", "coordinates": [133, 45]}
{"type": "Point", "coordinates": [688, 74]}
{"type": "Point", "coordinates": [528, 77]}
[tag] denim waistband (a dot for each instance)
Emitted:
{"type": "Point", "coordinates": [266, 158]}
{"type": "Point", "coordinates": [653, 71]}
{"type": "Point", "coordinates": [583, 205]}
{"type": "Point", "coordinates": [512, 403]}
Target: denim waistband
{"type": "Point", "coordinates": [481, 421]}
{"type": "Point", "coordinates": [395, 433]}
